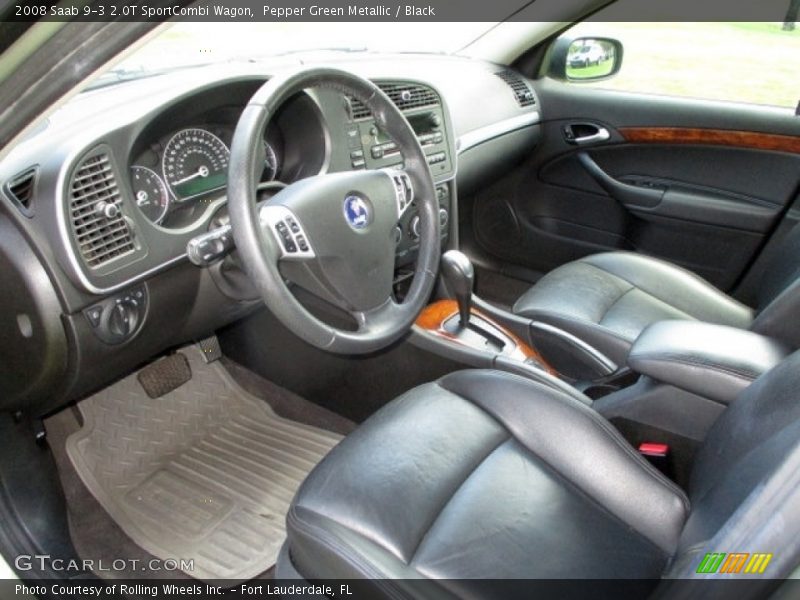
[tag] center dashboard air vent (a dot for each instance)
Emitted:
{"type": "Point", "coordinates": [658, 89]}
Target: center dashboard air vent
{"type": "Point", "coordinates": [405, 96]}
{"type": "Point", "coordinates": [100, 229]}
{"type": "Point", "coordinates": [522, 91]}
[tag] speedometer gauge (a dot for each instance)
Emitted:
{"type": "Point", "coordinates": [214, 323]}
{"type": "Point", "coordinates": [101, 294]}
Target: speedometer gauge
{"type": "Point", "coordinates": [195, 162]}
{"type": "Point", "coordinates": [150, 192]}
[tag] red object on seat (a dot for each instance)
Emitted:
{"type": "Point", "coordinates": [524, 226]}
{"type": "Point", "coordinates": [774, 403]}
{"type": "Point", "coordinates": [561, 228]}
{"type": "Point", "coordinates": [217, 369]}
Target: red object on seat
{"type": "Point", "coordinates": [651, 449]}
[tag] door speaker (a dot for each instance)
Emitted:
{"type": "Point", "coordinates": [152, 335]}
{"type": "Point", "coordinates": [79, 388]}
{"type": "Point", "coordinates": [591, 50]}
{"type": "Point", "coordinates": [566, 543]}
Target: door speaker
{"type": "Point", "coordinates": [496, 225]}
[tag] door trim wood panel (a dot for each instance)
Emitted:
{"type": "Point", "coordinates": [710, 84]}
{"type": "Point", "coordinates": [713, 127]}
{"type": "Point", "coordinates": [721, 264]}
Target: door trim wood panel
{"type": "Point", "coordinates": [712, 137]}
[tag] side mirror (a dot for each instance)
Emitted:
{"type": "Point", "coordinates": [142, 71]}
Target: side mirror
{"type": "Point", "coordinates": [584, 59]}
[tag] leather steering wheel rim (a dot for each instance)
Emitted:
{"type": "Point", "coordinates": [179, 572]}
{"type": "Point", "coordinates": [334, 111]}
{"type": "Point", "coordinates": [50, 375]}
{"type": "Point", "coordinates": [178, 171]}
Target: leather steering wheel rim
{"type": "Point", "coordinates": [263, 254]}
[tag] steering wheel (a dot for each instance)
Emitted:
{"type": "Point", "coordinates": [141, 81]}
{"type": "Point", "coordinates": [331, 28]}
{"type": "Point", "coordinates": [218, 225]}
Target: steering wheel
{"type": "Point", "coordinates": [333, 234]}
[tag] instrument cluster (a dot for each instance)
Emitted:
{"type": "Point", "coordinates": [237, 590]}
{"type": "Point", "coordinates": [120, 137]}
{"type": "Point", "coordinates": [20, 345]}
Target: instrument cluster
{"type": "Point", "coordinates": [177, 176]}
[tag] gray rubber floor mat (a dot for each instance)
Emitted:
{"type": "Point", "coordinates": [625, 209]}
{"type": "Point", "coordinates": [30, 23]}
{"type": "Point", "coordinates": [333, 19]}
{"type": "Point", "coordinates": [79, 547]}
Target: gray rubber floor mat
{"type": "Point", "coordinates": [204, 473]}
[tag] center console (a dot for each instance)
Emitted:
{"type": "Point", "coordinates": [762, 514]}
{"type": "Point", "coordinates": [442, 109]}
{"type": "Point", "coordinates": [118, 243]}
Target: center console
{"type": "Point", "coordinates": [689, 372]}
{"type": "Point", "coordinates": [371, 148]}
{"type": "Point", "coordinates": [713, 361]}
{"type": "Point", "coordinates": [471, 335]}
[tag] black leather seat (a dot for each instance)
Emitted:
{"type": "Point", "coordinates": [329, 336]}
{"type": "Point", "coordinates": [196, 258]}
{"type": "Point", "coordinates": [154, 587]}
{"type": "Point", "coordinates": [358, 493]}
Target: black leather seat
{"type": "Point", "coordinates": [607, 299]}
{"type": "Point", "coordinates": [485, 474]}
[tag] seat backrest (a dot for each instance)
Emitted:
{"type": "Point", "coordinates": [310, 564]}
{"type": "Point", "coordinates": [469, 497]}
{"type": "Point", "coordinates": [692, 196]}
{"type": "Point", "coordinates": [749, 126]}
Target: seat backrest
{"type": "Point", "coordinates": [746, 444]}
{"type": "Point", "coordinates": [778, 294]}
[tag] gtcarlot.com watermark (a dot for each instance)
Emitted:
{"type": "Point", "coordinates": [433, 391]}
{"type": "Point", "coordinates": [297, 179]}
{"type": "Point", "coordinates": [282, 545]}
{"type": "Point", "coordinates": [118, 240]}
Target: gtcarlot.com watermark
{"type": "Point", "coordinates": [28, 562]}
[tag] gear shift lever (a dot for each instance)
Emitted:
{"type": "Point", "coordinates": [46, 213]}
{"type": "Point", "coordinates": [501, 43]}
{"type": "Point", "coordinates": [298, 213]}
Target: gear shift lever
{"type": "Point", "coordinates": [459, 276]}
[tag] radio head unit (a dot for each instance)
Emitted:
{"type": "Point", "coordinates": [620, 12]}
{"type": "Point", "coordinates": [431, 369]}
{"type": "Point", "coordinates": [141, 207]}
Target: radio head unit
{"type": "Point", "coordinates": [371, 148]}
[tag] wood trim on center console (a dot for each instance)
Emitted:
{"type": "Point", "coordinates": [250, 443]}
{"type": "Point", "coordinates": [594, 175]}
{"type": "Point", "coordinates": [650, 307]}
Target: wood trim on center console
{"type": "Point", "coordinates": [712, 137]}
{"type": "Point", "coordinates": [433, 317]}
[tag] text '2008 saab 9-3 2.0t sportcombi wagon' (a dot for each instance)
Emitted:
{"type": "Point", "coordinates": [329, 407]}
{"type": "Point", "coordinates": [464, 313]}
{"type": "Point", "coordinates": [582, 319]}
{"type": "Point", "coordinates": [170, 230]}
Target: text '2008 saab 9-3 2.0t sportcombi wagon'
{"type": "Point", "coordinates": [454, 310]}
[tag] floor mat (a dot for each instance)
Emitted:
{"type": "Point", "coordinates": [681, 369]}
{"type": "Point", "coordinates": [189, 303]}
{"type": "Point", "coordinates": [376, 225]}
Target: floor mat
{"type": "Point", "coordinates": [204, 473]}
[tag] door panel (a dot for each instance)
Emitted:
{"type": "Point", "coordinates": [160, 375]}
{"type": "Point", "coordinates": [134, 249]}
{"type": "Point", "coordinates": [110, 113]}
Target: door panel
{"type": "Point", "coordinates": [697, 183]}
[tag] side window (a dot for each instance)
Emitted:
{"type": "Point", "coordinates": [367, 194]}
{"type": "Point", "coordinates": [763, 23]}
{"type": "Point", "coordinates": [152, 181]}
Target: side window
{"type": "Point", "coordinates": [756, 63]}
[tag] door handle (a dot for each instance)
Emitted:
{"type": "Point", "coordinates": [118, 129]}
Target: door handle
{"type": "Point", "coordinates": [583, 134]}
{"type": "Point", "coordinates": [601, 136]}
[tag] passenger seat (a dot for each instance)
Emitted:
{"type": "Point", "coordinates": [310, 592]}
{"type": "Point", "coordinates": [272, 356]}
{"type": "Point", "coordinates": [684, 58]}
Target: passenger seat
{"type": "Point", "coordinates": [607, 299]}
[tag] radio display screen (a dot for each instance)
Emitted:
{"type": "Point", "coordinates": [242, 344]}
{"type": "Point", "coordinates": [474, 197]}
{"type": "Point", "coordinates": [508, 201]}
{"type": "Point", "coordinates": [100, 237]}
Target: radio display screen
{"type": "Point", "coordinates": [419, 123]}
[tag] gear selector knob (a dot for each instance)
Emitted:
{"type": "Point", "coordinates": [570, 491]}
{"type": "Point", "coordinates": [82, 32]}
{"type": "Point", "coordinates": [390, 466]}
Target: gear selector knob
{"type": "Point", "coordinates": [459, 277]}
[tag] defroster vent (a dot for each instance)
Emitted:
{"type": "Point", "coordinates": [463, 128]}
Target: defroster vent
{"type": "Point", "coordinates": [101, 232]}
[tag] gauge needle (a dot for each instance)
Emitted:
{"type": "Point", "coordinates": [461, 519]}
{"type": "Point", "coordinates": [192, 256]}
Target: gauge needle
{"type": "Point", "coordinates": [201, 172]}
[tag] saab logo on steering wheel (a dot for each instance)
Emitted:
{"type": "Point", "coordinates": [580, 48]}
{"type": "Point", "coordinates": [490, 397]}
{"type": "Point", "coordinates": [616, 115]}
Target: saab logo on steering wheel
{"type": "Point", "coordinates": [357, 212]}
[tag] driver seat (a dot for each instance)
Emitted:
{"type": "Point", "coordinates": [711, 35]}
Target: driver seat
{"type": "Point", "coordinates": [484, 474]}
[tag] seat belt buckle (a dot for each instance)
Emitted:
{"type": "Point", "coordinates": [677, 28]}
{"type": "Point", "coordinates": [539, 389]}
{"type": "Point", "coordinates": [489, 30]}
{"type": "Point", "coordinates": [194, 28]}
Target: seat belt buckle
{"type": "Point", "coordinates": [657, 455]}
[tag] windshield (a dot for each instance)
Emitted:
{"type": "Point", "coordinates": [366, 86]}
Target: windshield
{"type": "Point", "coordinates": [193, 44]}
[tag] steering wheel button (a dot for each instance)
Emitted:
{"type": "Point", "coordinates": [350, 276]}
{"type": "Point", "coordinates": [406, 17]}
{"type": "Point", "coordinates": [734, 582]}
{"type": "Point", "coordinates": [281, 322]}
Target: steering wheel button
{"type": "Point", "coordinates": [290, 246]}
{"type": "Point", "coordinates": [301, 241]}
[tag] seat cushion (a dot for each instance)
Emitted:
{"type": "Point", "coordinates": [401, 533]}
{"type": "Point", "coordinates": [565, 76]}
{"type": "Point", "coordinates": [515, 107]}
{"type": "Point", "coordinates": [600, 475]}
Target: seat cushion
{"type": "Point", "coordinates": [484, 474]}
{"type": "Point", "coordinates": [607, 299]}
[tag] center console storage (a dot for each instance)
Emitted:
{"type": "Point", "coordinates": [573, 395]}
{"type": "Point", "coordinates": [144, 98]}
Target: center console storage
{"type": "Point", "coordinates": [713, 361]}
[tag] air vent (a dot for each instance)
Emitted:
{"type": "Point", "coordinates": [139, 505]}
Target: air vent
{"type": "Point", "coordinates": [405, 96]}
{"type": "Point", "coordinates": [522, 92]}
{"type": "Point", "coordinates": [101, 232]}
{"type": "Point", "coordinates": [20, 189]}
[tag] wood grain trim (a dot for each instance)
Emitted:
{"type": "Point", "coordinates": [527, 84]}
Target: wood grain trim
{"type": "Point", "coordinates": [433, 316]}
{"type": "Point", "coordinates": [712, 137]}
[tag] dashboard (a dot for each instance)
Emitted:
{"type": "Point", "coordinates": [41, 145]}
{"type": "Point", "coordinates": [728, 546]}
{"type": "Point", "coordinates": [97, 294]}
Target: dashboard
{"type": "Point", "coordinates": [115, 193]}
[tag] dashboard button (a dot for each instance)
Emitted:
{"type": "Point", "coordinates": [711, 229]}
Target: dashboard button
{"type": "Point", "coordinates": [353, 137]}
{"type": "Point", "coordinates": [94, 314]}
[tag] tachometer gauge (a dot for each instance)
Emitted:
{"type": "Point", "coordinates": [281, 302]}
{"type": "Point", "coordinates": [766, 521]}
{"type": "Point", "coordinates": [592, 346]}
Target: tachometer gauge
{"type": "Point", "coordinates": [195, 162]}
{"type": "Point", "coordinates": [270, 163]}
{"type": "Point", "coordinates": [151, 194]}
